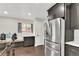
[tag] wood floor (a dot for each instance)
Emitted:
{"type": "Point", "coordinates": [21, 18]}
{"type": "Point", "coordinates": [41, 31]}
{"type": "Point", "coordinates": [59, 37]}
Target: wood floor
{"type": "Point", "coordinates": [29, 51]}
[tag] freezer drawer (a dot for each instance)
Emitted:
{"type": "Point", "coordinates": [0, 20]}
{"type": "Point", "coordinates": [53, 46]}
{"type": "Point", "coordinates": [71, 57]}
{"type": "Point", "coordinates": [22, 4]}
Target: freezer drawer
{"type": "Point", "coordinates": [52, 49]}
{"type": "Point", "coordinates": [51, 52]}
{"type": "Point", "coordinates": [53, 45]}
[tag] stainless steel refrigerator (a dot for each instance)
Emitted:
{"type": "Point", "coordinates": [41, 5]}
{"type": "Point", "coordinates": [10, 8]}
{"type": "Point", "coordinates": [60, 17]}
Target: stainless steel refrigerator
{"type": "Point", "coordinates": [54, 37]}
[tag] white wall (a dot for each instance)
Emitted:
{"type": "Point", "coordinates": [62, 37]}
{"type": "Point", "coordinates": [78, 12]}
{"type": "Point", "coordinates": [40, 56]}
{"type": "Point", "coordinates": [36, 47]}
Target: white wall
{"type": "Point", "coordinates": [11, 25]}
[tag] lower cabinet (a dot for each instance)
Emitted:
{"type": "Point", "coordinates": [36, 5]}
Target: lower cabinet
{"type": "Point", "coordinates": [19, 44]}
{"type": "Point", "coordinates": [29, 41]}
{"type": "Point", "coordinates": [71, 50]}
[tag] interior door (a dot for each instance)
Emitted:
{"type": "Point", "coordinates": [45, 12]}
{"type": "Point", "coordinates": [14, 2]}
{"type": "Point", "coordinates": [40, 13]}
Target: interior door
{"type": "Point", "coordinates": [39, 33]}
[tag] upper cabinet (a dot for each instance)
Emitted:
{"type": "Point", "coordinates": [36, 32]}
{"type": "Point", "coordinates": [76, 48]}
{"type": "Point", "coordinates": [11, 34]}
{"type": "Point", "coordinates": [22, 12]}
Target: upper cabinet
{"type": "Point", "coordinates": [69, 11]}
{"type": "Point", "coordinates": [72, 16]}
{"type": "Point", "coordinates": [56, 11]}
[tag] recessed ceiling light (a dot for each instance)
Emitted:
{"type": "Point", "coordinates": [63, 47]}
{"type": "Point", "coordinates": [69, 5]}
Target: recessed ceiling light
{"type": "Point", "coordinates": [29, 14]}
{"type": "Point", "coordinates": [5, 12]}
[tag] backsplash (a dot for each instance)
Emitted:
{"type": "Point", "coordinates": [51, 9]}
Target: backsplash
{"type": "Point", "coordinates": [76, 35]}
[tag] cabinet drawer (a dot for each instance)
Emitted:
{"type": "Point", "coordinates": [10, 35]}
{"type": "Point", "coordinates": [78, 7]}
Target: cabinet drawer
{"type": "Point", "coordinates": [52, 45]}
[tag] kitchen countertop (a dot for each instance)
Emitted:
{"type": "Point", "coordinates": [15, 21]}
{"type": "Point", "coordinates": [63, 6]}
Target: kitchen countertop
{"type": "Point", "coordinates": [73, 43]}
{"type": "Point", "coordinates": [9, 41]}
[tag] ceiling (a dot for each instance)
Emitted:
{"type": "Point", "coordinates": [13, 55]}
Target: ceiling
{"type": "Point", "coordinates": [28, 11]}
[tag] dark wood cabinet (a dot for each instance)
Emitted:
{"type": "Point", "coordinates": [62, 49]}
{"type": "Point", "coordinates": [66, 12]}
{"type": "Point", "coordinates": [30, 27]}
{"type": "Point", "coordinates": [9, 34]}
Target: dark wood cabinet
{"type": "Point", "coordinates": [69, 31]}
{"type": "Point", "coordinates": [74, 13]}
{"type": "Point", "coordinates": [56, 11]}
{"type": "Point", "coordinates": [19, 44]}
{"type": "Point", "coordinates": [72, 16]}
{"type": "Point", "coordinates": [67, 16]}
{"type": "Point", "coordinates": [71, 50]}
{"type": "Point", "coordinates": [29, 41]}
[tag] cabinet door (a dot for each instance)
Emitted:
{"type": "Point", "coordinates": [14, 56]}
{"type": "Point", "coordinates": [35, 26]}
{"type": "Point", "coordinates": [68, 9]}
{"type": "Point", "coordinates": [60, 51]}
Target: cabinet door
{"type": "Point", "coordinates": [71, 50]}
{"type": "Point", "coordinates": [19, 44]}
{"type": "Point", "coordinates": [29, 41]}
{"type": "Point", "coordinates": [60, 11]}
{"type": "Point", "coordinates": [56, 11]}
{"type": "Point", "coordinates": [74, 16]}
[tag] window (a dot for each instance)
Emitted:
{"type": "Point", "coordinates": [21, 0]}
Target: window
{"type": "Point", "coordinates": [25, 27]}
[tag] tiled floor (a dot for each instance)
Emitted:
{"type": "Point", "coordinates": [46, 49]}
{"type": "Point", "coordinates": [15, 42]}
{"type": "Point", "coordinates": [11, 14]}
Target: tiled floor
{"type": "Point", "coordinates": [29, 51]}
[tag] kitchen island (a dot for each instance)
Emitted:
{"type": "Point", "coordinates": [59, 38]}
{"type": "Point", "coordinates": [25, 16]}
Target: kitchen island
{"type": "Point", "coordinates": [18, 42]}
